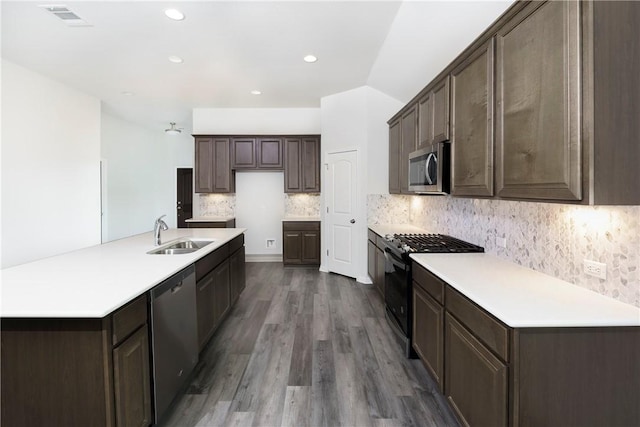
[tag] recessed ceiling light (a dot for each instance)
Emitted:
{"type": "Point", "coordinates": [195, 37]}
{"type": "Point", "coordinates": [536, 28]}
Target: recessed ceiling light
{"type": "Point", "coordinates": [174, 14]}
{"type": "Point", "coordinates": [126, 93]}
{"type": "Point", "coordinates": [175, 59]}
{"type": "Point", "coordinates": [256, 92]}
{"type": "Point", "coordinates": [310, 58]}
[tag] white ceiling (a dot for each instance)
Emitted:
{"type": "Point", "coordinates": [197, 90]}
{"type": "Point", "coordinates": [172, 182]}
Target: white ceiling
{"type": "Point", "coordinates": [230, 48]}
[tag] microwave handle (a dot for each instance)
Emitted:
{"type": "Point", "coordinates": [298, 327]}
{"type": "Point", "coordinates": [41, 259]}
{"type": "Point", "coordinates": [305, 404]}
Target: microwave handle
{"type": "Point", "coordinates": [430, 157]}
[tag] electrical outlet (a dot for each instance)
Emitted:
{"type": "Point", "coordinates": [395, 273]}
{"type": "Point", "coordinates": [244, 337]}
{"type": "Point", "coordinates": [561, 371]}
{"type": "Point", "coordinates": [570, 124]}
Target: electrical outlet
{"type": "Point", "coordinates": [596, 269]}
{"type": "Point", "coordinates": [271, 243]}
{"type": "Point", "coordinates": [501, 242]}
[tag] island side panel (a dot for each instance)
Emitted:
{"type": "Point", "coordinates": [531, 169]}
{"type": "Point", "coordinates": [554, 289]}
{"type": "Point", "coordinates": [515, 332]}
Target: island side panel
{"type": "Point", "coordinates": [576, 376]}
{"type": "Point", "coordinates": [53, 373]}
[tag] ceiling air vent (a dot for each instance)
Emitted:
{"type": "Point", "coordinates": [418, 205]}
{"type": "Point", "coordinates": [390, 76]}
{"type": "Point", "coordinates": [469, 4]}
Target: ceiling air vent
{"type": "Point", "coordinates": [66, 15]}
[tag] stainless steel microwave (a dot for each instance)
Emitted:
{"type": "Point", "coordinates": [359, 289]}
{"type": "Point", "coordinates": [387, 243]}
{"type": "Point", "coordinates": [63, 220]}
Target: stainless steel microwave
{"type": "Point", "coordinates": [429, 169]}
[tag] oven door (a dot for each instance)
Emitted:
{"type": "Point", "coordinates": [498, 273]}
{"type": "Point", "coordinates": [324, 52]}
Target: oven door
{"type": "Point", "coordinates": [397, 279]}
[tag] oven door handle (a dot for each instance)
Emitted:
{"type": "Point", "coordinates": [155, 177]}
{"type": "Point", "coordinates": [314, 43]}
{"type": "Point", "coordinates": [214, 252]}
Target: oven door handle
{"type": "Point", "coordinates": [390, 258]}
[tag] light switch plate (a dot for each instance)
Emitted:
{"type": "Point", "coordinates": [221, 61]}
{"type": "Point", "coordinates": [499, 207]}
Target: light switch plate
{"type": "Point", "coordinates": [501, 242]}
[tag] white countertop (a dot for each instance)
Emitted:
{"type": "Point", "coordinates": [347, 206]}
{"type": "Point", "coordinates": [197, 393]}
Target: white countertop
{"type": "Point", "coordinates": [521, 297]}
{"type": "Point", "coordinates": [301, 218]}
{"type": "Point", "coordinates": [210, 219]}
{"type": "Point", "coordinates": [383, 229]}
{"type": "Point", "coordinates": [95, 281]}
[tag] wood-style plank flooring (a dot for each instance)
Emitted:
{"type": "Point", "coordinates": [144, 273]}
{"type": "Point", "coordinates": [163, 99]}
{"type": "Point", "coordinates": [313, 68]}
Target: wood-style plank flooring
{"type": "Point", "coordinates": [305, 348]}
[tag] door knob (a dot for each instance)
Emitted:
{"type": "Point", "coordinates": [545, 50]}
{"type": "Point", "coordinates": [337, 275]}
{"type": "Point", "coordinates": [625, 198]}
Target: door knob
{"type": "Point", "coordinates": [353, 221]}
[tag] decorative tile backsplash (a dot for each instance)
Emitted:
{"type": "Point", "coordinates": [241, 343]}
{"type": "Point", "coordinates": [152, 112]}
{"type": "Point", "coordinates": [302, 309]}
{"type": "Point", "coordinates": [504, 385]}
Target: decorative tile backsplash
{"type": "Point", "coordinates": [302, 205]}
{"type": "Point", "coordinates": [547, 237]}
{"type": "Point", "coordinates": [217, 204]}
{"type": "Point", "coordinates": [225, 205]}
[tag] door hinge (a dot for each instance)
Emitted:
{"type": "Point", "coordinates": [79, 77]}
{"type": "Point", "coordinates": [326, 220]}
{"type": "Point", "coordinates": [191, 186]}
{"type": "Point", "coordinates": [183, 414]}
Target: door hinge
{"type": "Point", "coordinates": [327, 252]}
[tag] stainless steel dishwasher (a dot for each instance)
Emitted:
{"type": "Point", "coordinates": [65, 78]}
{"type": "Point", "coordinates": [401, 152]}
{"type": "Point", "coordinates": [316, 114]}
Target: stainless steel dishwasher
{"type": "Point", "coordinates": [174, 336]}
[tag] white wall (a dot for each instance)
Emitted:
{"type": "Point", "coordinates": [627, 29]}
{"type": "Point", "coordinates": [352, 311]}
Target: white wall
{"type": "Point", "coordinates": [260, 208]}
{"type": "Point", "coordinates": [356, 119]}
{"type": "Point", "coordinates": [252, 212]}
{"type": "Point", "coordinates": [141, 175]}
{"type": "Point", "coordinates": [274, 121]}
{"type": "Point", "coordinates": [50, 167]}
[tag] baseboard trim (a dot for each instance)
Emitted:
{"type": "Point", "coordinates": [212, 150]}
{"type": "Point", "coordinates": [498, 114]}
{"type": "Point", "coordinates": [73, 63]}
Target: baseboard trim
{"type": "Point", "coordinates": [263, 258]}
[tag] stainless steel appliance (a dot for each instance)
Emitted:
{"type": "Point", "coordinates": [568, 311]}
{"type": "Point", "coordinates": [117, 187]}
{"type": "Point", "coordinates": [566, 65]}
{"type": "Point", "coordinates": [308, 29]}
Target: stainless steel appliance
{"type": "Point", "coordinates": [174, 336]}
{"type": "Point", "coordinates": [429, 169]}
{"type": "Point", "coordinates": [397, 278]}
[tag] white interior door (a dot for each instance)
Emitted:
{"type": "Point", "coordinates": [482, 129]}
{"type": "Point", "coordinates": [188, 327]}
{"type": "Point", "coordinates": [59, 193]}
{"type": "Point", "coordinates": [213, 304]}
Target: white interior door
{"type": "Point", "coordinates": [341, 215]}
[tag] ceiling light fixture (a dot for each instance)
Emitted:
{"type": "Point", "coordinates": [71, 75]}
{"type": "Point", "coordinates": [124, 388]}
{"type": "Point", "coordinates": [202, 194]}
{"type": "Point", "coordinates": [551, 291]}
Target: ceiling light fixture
{"type": "Point", "coordinates": [126, 93]}
{"type": "Point", "coordinates": [256, 92]}
{"type": "Point", "coordinates": [173, 130]}
{"type": "Point", "coordinates": [175, 59]}
{"type": "Point", "coordinates": [310, 58]}
{"type": "Point", "coordinates": [174, 14]}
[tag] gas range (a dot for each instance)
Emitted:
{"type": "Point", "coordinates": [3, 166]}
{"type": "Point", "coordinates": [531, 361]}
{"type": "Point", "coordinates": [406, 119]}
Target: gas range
{"type": "Point", "coordinates": [429, 243]}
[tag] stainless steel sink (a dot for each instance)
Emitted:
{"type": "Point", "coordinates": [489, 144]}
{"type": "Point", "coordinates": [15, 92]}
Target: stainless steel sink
{"type": "Point", "coordinates": [181, 246]}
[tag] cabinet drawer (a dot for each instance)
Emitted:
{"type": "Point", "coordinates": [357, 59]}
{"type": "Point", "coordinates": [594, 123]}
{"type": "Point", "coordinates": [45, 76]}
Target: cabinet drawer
{"type": "Point", "coordinates": [129, 318]}
{"type": "Point", "coordinates": [300, 225]}
{"type": "Point", "coordinates": [236, 243]}
{"type": "Point", "coordinates": [428, 282]}
{"type": "Point", "coordinates": [371, 236]}
{"type": "Point", "coordinates": [211, 261]}
{"type": "Point", "coordinates": [380, 242]}
{"type": "Point", "coordinates": [490, 331]}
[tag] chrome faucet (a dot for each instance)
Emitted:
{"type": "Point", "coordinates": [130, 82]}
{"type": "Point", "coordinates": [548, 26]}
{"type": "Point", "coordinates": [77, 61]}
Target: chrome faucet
{"type": "Point", "coordinates": [160, 225]}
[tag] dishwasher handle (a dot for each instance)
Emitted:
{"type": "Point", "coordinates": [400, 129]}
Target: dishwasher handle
{"type": "Point", "coordinates": [176, 288]}
{"type": "Point", "coordinates": [174, 283]}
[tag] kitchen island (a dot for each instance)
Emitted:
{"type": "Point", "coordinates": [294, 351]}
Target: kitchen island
{"type": "Point", "coordinates": [77, 328]}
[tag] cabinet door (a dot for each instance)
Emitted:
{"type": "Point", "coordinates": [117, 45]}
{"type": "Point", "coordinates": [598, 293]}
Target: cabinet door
{"type": "Point", "coordinates": [310, 165]}
{"type": "Point", "coordinates": [408, 137]}
{"type": "Point", "coordinates": [379, 281]}
{"type": "Point", "coordinates": [371, 262]}
{"type": "Point", "coordinates": [394, 157]}
{"type": "Point", "coordinates": [237, 274]}
{"type": "Point", "coordinates": [205, 303]}
{"type": "Point", "coordinates": [222, 176]}
{"type": "Point", "coordinates": [131, 376]}
{"type": "Point", "coordinates": [292, 247]}
{"type": "Point", "coordinates": [222, 291]}
{"type": "Point", "coordinates": [310, 247]}
{"type": "Point", "coordinates": [538, 103]}
{"type": "Point", "coordinates": [425, 121]}
{"type": "Point", "coordinates": [472, 124]}
{"type": "Point", "coordinates": [269, 153]}
{"type": "Point", "coordinates": [475, 379]}
{"type": "Point", "coordinates": [440, 95]}
{"type": "Point", "coordinates": [292, 172]}
{"type": "Point", "coordinates": [244, 153]}
{"type": "Point", "coordinates": [428, 327]}
{"type": "Point", "coordinates": [204, 165]}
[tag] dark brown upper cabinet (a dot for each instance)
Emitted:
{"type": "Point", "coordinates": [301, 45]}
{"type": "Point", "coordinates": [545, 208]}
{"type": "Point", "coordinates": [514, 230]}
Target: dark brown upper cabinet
{"type": "Point", "coordinates": [433, 114]}
{"type": "Point", "coordinates": [538, 144]}
{"type": "Point", "coordinates": [302, 165]}
{"type": "Point", "coordinates": [269, 153]}
{"type": "Point", "coordinates": [212, 165]}
{"type": "Point", "coordinates": [472, 124]}
{"type": "Point", "coordinates": [257, 153]}
{"type": "Point", "coordinates": [408, 137]}
{"type": "Point", "coordinates": [395, 145]}
{"type": "Point", "coordinates": [243, 153]}
{"type": "Point", "coordinates": [565, 96]}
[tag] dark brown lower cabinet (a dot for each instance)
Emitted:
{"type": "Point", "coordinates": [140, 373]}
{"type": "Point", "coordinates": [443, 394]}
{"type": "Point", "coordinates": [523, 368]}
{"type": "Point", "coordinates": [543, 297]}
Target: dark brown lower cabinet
{"type": "Point", "coordinates": [213, 224]}
{"type": "Point", "coordinates": [428, 329]}
{"type": "Point", "coordinates": [301, 242]}
{"type": "Point", "coordinates": [77, 372]}
{"type": "Point", "coordinates": [496, 375]}
{"type": "Point", "coordinates": [375, 261]}
{"type": "Point", "coordinates": [220, 278]}
{"type": "Point", "coordinates": [475, 381]}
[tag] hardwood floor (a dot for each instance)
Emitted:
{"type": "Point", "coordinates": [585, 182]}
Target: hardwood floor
{"type": "Point", "coordinates": [304, 348]}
